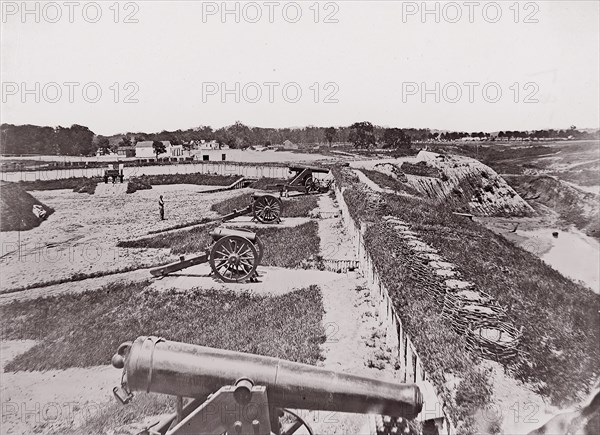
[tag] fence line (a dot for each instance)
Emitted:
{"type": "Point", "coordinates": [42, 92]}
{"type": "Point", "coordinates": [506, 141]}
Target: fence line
{"type": "Point", "coordinates": [218, 168]}
{"type": "Point", "coordinates": [396, 338]}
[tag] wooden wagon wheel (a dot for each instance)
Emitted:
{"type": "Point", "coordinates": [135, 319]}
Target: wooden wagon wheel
{"type": "Point", "coordinates": [234, 259]}
{"type": "Point", "coordinates": [266, 209]}
{"type": "Point", "coordinates": [311, 185]}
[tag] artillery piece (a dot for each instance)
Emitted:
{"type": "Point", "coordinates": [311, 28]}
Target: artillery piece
{"type": "Point", "coordinates": [304, 181]}
{"type": "Point", "coordinates": [115, 172]}
{"type": "Point", "coordinates": [233, 257]}
{"type": "Point", "coordinates": [238, 393]}
{"type": "Point", "coordinates": [265, 209]}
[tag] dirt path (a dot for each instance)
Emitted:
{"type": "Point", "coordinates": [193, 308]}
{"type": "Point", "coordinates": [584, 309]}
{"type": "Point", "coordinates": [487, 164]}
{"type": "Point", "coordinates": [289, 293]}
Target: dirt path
{"type": "Point", "coordinates": [351, 328]}
{"type": "Point", "coordinates": [44, 402]}
{"type": "Point", "coordinates": [335, 243]}
{"type": "Point", "coordinates": [272, 280]}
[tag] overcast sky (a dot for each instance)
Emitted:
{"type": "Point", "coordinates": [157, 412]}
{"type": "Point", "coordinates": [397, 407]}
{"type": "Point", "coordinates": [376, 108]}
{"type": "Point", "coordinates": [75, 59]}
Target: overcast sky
{"type": "Point", "coordinates": [384, 62]}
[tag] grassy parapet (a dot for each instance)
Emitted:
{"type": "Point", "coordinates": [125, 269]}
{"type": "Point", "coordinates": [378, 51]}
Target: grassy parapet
{"type": "Point", "coordinates": [85, 329]}
{"type": "Point", "coordinates": [389, 182]}
{"type": "Point", "coordinates": [197, 178]}
{"type": "Point", "coordinates": [295, 207]}
{"type": "Point", "coordinates": [77, 184]}
{"type": "Point", "coordinates": [17, 208]}
{"type": "Point", "coordinates": [559, 350]}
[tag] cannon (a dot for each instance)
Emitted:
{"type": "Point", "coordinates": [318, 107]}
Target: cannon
{"type": "Point", "coordinates": [240, 393]}
{"type": "Point", "coordinates": [265, 209]}
{"type": "Point", "coordinates": [233, 257]}
{"type": "Point", "coordinates": [303, 181]}
{"type": "Point", "coordinates": [114, 172]}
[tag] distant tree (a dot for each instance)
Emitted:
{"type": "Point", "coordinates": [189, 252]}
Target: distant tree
{"type": "Point", "coordinates": [104, 146]}
{"type": "Point", "coordinates": [362, 135]}
{"type": "Point", "coordinates": [330, 133]}
{"type": "Point", "coordinates": [158, 148]}
{"type": "Point", "coordinates": [395, 138]}
{"type": "Point", "coordinates": [125, 141]}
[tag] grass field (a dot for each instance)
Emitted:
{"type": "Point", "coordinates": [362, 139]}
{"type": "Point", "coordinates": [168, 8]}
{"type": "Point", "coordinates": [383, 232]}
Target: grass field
{"type": "Point", "coordinates": [289, 247]}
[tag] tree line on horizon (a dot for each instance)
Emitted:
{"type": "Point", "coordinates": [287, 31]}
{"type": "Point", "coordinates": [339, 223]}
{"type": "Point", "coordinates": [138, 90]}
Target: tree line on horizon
{"type": "Point", "coordinates": [80, 140]}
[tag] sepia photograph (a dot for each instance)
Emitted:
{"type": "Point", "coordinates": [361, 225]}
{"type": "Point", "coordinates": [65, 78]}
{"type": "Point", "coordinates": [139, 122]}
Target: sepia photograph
{"type": "Point", "coordinates": [312, 217]}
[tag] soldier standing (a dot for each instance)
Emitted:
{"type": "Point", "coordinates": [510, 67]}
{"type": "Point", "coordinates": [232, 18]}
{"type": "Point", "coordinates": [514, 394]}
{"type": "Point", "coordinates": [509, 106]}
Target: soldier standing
{"type": "Point", "coordinates": [161, 208]}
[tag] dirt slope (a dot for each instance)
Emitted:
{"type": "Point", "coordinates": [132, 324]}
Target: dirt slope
{"type": "Point", "coordinates": [460, 183]}
{"type": "Point", "coordinates": [16, 209]}
{"type": "Point", "coordinates": [572, 205]}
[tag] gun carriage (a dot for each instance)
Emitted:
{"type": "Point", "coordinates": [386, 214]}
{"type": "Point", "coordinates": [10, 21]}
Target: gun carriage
{"type": "Point", "coordinates": [114, 172]}
{"type": "Point", "coordinates": [233, 256]}
{"type": "Point", "coordinates": [265, 209]}
{"type": "Point", "coordinates": [238, 393]}
{"type": "Point", "coordinates": [304, 181]}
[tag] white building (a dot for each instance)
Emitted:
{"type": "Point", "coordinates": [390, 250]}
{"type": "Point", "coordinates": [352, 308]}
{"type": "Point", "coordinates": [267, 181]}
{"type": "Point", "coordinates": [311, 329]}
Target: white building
{"type": "Point", "coordinates": [144, 149]}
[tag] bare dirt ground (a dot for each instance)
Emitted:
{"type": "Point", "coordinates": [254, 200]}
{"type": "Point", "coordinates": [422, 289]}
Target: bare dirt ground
{"type": "Point", "coordinates": [44, 402]}
{"type": "Point", "coordinates": [82, 235]}
{"type": "Point", "coordinates": [335, 242]}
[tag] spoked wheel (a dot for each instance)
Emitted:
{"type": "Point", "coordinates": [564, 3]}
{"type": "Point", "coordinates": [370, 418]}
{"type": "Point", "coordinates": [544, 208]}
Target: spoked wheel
{"type": "Point", "coordinates": [266, 209]}
{"type": "Point", "coordinates": [290, 427]}
{"type": "Point", "coordinates": [234, 259]}
{"type": "Point", "coordinates": [311, 185]}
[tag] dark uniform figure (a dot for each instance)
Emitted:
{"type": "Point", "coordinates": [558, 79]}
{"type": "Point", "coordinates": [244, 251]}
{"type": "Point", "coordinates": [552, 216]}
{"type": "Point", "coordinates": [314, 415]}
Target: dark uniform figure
{"type": "Point", "coordinates": [161, 208]}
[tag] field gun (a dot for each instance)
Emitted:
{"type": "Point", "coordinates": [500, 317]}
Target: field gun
{"type": "Point", "coordinates": [114, 172]}
{"type": "Point", "coordinates": [239, 393]}
{"type": "Point", "coordinates": [303, 181]}
{"type": "Point", "coordinates": [265, 209]}
{"type": "Point", "coordinates": [233, 257]}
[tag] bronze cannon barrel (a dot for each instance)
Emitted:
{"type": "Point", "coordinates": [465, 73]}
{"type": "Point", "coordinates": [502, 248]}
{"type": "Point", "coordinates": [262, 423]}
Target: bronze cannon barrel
{"type": "Point", "coordinates": [169, 367]}
{"type": "Point", "coordinates": [217, 233]}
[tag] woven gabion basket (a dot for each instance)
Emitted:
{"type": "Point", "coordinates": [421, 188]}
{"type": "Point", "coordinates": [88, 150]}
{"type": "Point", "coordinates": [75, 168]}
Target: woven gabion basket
{"type": "Point", "coordinates": [463, 315]}
{"type": "Point", "coordinates": [494, 339]}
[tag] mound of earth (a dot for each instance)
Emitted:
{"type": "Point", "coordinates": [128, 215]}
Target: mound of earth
{"type": "Point", "coordinates": [19, 210]}
{"type": "Point", "coordinates": [574, 206]}
{"type": "Point", "coordinates": [460, 183]}
{"type": "Point", "coordinates": [138, 183]}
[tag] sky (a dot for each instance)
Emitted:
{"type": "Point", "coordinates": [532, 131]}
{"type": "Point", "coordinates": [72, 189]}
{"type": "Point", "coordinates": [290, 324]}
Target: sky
{"type": "Point", "coordinates": [158, 65]}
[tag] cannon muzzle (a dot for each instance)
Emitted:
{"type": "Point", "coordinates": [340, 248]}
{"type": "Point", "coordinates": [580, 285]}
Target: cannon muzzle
{"type": "Point", "coordinates": [156, 365]}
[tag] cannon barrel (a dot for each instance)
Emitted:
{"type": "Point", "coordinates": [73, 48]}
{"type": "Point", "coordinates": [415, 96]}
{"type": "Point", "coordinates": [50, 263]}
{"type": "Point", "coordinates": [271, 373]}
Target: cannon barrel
{"type": "Point", "coordinates": [168, 367]}
{"type": "Point", "coordinates": [311, 168]}
{"type": "Point", "coordinates": [220, 232]}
